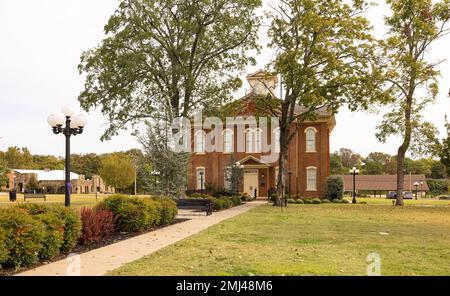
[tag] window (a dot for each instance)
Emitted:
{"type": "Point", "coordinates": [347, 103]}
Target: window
{"type": "Point", "coordinates": [249, 141]}
{"type": "Point", "coordinates": [276, 139]}
{"type": "Point", "coordinates": [200, 142]}
{"type": "Point", "coordinates": [201, 177]}
{"type": "Point", "coordinates": [228, 141]}
{"type": "Point", "coordinates": [310, 139]}
{"type": "Point", "coordinates": [258, 142]}
{"type": "Point", "coordinates": [253, 141]}
{"type": "Point", "coordinates": [311, 179]}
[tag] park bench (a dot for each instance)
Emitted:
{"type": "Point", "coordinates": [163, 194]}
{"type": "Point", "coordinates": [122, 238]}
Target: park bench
{"type": "Point", "coordinates": [195, 204]}
{"type": "Point", "coordinates": [34, 195]}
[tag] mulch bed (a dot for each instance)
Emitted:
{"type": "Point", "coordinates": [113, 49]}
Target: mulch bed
{"type": "Point", "coordinates": [81, 248]}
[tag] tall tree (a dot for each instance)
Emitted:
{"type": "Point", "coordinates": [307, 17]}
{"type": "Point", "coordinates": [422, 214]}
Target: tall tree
{"type": "Point", "coordinates": [336, 167]}
{"type": "Point", "coordinates": [117, 170]}
{"type": "Point", "coordinates": [18, 158]}
{"type": "Point", "coordinates": [349, 159]}
{"type": "Point", "coordinates": [444, 149]}
{"type": "Point", "coordinates": [414, 26]}
{"type": "Point", "coordinates": [170, 165]}
{"type": "Point", "coordinates": [4, 170]}
{"type": "Point", "coordinates": [324, 55]}
{"type": "Point", "coordinates": [171, 55]}
{"type": "Point", "coordinates": [87, 164]}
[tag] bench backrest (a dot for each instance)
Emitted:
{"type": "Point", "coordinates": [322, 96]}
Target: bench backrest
{"type": "Point", "coordinates": [193, 202]}
{"type": "Point", "coordinates": [34, 195]}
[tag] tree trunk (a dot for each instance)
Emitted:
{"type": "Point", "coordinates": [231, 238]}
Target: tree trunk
{"type": "Point", "coordinates": [403, 149]}
{"type": "Point", "coordinates": [281, 184]}
{"type": "Point", "coordinates": [400, 175]}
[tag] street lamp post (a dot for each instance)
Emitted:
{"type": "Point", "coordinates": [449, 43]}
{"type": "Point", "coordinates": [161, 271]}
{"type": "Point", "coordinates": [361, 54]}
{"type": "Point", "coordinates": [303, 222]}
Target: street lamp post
{"type": "Point", "coordinates": [416, 184]}
{"type": "Point", "coordinates": [238, 185]}
{"type": "Point", "coordinates": [201, 184]}
{"type": "Point", "coordinates": [421, 189]}
{"type": "Point", "coordinates": [155, 175]}
{"type": "Point", "coordinates": [74, 125]}
{"type": "Point", "coordinates": [354, 172]}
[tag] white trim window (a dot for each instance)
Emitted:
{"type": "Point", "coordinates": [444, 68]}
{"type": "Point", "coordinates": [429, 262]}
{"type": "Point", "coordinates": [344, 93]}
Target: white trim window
{"type": "Point", "coordinates": [311, 179]}
{"type": "Point", "coordinates": [228, 141]}
{"type": "Point", "coordinates": [200, 138]}
{"type": "Point", "coordinates": [253, 141]}
{"type": "Point", "coordinates": [276, 139]}
{"type": "Point", "coordinates": [310, 139]}
{"type": "Point", "coordinates": [200, 170]}
{"type": "Point", "coordinates": [258, 140]}
{"type": "Point", "coordinates": [249, 141]}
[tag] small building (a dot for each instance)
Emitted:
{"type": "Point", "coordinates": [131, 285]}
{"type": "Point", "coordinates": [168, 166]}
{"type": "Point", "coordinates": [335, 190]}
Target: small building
{"type": "Point", "coordinates": [381, 184]}
{"type": "Point", "coordinates": [53, 181]}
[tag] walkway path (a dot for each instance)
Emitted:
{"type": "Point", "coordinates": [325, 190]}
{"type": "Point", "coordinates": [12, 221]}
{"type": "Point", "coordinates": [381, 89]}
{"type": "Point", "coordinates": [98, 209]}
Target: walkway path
{"type": "Point", "coordinates": [102, 260]}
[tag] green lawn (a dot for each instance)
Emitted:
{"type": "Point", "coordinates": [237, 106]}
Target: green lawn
{"type": "Point", "coordinates": [327, 239]}
{"type": "Point", "coordinates": [77, 200]}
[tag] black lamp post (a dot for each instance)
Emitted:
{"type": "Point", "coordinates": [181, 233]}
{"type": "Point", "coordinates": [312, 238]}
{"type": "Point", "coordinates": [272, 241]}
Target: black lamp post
{"type": "Point", "coordinates": [155, 174]}
{"type": "Point", "coordinates": [416, 184]}
{"type": "Point", "coordinates": [354, 172]}
{"type": "Point", "coordinates": [201, 183]}
{"type": "Point", "coordinates": [421, 189]}
{"type": "Point", "coordinates": [74, 125]}
{"type": "Point", "coordinates": [239, 166]}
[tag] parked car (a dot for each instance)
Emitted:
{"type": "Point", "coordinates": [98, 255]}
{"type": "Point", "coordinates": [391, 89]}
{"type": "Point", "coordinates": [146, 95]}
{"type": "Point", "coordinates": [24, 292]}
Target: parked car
{"type": "Point", "coordinates": [391, 195]}
{"type": "Point", "coordinates": [406, 195]}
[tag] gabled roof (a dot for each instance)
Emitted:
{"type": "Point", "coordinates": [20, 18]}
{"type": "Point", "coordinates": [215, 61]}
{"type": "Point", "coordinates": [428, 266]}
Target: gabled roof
{"type": "Point", "coordinates": [250, 160]}
{"type": "Point", "coordinates": [44, 175]}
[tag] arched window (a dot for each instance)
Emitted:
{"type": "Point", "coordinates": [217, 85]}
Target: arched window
{"type": "Point", "coordinates": [227, 141]}
{"type": "Point", "coordinates": [200, 142]}
{"type": "Point", "coordinates": [276, 139]}
{"type": "Point", "coordinates": [311, 179]}
{"type": "Point", "coordinates": [249, 141]}
{"type": "Point", "coordinates": [310, 139]}
{"type": "Point", "coordinates": [201, 178]}
{"type": "Point", "coordinates": [258, 141]}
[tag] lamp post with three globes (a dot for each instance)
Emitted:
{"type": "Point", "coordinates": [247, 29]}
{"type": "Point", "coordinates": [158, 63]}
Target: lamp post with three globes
{"type": "Point", "coordinates": [68, 124]}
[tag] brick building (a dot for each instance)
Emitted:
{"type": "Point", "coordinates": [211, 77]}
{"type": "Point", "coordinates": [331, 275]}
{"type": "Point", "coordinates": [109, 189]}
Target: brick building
{"type": "Point", "coordinates": [52, 181]}
{"type": "Point", "coordinates": [309, 151]}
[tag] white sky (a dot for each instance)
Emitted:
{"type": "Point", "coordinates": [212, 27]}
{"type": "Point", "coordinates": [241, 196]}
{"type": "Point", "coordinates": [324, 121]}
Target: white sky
{"type": "Point", "coordinates": [41, 42]}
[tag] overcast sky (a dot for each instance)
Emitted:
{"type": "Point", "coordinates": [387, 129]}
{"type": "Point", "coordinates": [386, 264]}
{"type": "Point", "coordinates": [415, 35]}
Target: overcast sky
{"type": "Point", "coordinates": [40, 46]}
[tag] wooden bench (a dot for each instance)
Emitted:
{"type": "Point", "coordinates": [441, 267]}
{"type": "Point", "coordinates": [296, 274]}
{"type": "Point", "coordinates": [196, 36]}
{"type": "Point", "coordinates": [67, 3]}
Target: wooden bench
{"type": "Point", "coordinates": [34, 195]}
{"type": "Point", "coordinates": [195, 204]}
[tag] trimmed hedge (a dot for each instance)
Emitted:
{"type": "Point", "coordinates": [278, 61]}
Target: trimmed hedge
{"type": "Point", "coordinates": [135, 214]}
{"type": "Point", "coordinates": [23, 236]}
{"type": "Point", "coordinates": [3, 248]}
{"type": "Point", "coordinates": [71, 222]}
{"type": "Point", "coordinates": [224, 203]}
{"type": "Point", "coordinates": [167, 210]}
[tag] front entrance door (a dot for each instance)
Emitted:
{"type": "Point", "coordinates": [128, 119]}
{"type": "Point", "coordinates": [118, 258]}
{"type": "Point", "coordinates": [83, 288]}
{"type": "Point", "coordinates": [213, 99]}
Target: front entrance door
{"type": "Point", "coordinates": [251, 182]}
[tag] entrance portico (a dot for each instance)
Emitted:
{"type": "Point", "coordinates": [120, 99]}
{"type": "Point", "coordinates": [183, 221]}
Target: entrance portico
{"type": "Point", "coordinates": [256, 176]}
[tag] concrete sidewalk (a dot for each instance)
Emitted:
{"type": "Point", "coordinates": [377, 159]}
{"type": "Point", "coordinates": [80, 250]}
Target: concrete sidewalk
{"type": "Point", "coordinates": [99, 261]}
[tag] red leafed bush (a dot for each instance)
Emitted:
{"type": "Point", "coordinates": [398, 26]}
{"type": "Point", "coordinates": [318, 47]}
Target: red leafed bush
{"type": "Point", "coordinates": [97, 224]}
